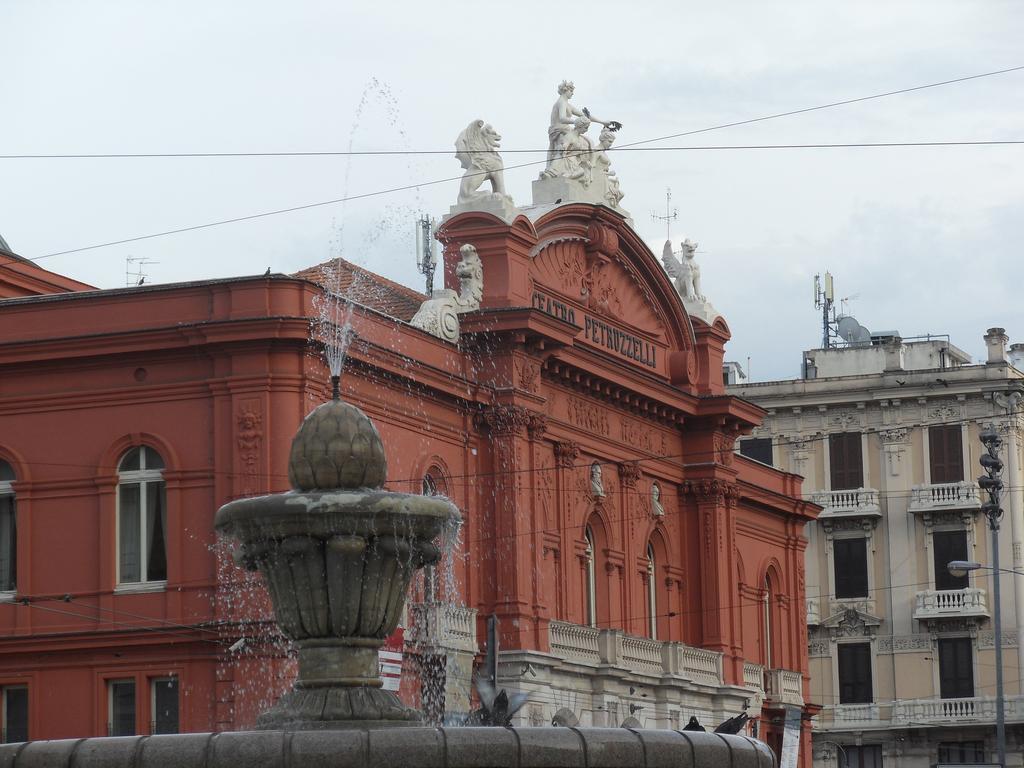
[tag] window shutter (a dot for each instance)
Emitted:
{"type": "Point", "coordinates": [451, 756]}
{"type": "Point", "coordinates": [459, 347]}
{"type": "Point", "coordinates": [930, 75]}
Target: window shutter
{"type": "Point", "coordinates": [847, 468]}
{"type": "Point", "coordinates": [946, 457]}
{"type": "Point", "coordinates": [851, 567]}
{"type": "Point", "coordinates": [956, 668]}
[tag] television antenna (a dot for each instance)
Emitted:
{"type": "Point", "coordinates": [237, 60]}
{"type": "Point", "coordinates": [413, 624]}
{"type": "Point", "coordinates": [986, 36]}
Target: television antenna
{"type": "Point", "coordinates": [671, 214]}
{"type": "Point", "coordinates": [426, 256]}
{"type": "Point", "coordinates": [138, 277]}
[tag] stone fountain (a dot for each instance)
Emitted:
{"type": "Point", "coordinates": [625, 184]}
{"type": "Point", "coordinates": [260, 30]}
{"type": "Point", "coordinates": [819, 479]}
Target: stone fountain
{"type": "Point", "coordinates": [337, 553]}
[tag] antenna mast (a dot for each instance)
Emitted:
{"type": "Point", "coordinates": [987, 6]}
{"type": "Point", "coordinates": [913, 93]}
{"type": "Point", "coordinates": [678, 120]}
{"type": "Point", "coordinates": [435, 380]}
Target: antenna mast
{"type": "Point", "coordinates": [138, 277]}
{"type": "Point", "coordinates": [824, 299]}
{"type": "Point", "coordinates": [426, 259]}
{"type": "Point", "coordinates": [671, 214]}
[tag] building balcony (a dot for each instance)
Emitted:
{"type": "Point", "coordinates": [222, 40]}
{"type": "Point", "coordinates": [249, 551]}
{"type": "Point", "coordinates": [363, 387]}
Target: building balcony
{"type": "Point", "coordinates": [936, 497]}
{"type": "Point", "coordinates": [945, 712]}
{"type": "Point", "coordinates": [592, 647]}
{"type": "Point", "coordinates": [440, 627]}
{"type": "Point", "coordinates": [951, 603]}
{"type": "Point", "coordinates": [854, 716]}
{"type": "Point", "coordinates": [753, 677]}
{"type": "Point", "coordinates": [785, 686]}
{"type": "Point", "coordinates": [854, 502]}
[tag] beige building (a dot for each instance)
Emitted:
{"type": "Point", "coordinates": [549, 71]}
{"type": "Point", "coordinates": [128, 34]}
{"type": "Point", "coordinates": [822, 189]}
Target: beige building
{"type": "Point", "coordinates": [902, 657]}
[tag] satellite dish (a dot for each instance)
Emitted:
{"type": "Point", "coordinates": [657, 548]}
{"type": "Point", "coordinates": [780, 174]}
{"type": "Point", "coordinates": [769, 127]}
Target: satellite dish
{"type": "Point", "coordinates": [851, 331]}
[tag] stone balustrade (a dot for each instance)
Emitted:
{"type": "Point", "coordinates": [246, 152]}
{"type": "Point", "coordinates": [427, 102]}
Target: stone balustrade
{"type": "Point", "coordinates": [939, 603]}
{"type": "Point", "coordinates": [593, 647]}
{"type": "Point", "coordinates": [785, 685]}
{"type": "Point", "coordinates": [962, 495]}
{"type": "Point", "coordinates": [977, 709]}
{"type": "Point", "coordinates": [845, 715]}
{"type": "Point", "coordinates": [442, 626]}
{"type": "Point", "coordinates": [574, 642]}
{"type": "Point", "coordinates": [852, 502]}
{"type": "Point", "coordinates": [753, 676]}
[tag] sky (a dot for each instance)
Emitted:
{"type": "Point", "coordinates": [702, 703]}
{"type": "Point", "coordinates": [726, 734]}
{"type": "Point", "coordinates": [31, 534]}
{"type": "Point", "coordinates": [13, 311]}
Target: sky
{"type": "Point", "coordinates": [919, 239]}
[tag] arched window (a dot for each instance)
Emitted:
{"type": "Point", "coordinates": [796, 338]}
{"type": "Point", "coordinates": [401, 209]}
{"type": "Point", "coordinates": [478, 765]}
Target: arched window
{"type": "Point", "coordinates": [141, 518]}
{"type": "Point", "coordinates": [430, 585]}
{"type": "Point", "coordinates": [767, 619]}
{"type": "Point", "coordinates": [652, 595]}
{"type": "Point", "coordinates": [591, 578]}
{"type": "Point", "coordinates": [8, 530]}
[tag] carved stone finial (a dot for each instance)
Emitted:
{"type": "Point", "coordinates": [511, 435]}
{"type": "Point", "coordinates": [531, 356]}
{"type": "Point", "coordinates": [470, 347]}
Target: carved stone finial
{"type": "Point", "coordinates": [439, 315]}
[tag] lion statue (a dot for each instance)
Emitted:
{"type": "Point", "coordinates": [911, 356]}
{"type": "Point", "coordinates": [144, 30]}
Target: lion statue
{"type": "Point", "coordinates": [476, 148]}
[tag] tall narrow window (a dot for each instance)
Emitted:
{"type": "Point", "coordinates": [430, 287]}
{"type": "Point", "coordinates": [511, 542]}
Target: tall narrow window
{"type": "Point", "coordinates": [142, 517]}
{"type": "Point", "coordinates": [652, 595]}
{"type": "Point", "coordinates": [949, 546]}
{"type": "Point", "coordinates": [591, 578]}
{"type": "Point", "coordinates": [164, 705]}
{"type": "Point", "coordinates": [851, 567]}
{"type": "Point", "coordinates": [845, 458]}
{"type": "Point", "coordinates": [15, 713]}
{"type": "Point", "coordinates": [855, 673]}
{"type": "Point", "coordinates": [8, 530]}
{"type": "Point", "coordinates": [767, 618]}
{"type": "Point", "coordinates": [121, 707]}
{"type": "Point", "coordinates": [946, 453]}
{"type": "Point", "coordinates": [956, 668]}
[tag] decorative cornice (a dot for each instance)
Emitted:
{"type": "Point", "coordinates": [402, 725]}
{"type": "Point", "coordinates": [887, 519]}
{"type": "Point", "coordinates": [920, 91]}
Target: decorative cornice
{"type": "Point", "coordinates": [711, 489]}
{"type": "Point", "coordinates": [504, 419]}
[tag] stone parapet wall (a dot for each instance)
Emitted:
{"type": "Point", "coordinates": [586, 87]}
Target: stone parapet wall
{"type": "Point", "coordinates": [408, 747]}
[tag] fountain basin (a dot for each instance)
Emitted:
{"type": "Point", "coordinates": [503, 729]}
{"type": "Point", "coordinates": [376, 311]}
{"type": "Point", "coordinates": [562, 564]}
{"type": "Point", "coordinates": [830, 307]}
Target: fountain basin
{"type": "Point", "coordinates": [406, 747]}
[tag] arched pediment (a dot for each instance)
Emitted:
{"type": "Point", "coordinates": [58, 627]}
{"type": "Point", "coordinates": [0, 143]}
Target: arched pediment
{"type": "Point", "coordinates": [590, 268]}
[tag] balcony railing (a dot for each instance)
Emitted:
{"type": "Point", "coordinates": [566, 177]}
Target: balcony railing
{"type": "Point", "coordinates": [443, 626]}
{"type": "Point", "coordinates": [854, 714]}
{"type": "Point", "coordinates": [594, 647]}
{"type": "Point", "coordinates": [950, 603]}
{"type": "Point", "coordinates": [963, 495]}
{"type": "Point", "coordinates": [855, 502]}
{"type": "Point", "coordinates": [753, 676]}
{"type": "Point", "coordinates": [978, 709]}
{"type": "Point", "coordinates": [785, 686]}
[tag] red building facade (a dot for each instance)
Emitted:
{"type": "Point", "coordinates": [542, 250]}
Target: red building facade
{"type": "Point", "coordinates": [640, 570]}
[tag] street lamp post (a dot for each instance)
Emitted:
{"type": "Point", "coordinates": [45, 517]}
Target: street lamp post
{"type": "Point", "coordinates": [991, 483]}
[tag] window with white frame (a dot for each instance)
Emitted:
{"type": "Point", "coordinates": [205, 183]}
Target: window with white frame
{"type": "Point", "coordinates": [15, 713]}
{"type": "Point", "coordinates": [8, 530]}
{"type": "Point", "coordinates": [163, 692]}
{"type": "Point", "coordinates": [141, 518]}
{"type": "Point", "coordinates": [652, 596]}
{"type": "Point", "coordinates": [591, 578]}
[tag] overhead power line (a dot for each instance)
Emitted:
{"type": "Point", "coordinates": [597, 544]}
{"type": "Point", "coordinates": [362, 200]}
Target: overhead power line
{"type": "Point", "coordinates": [624, 148]}
{"type": "Point", "coordinates": [631, 146]}
{"type": "Point", "coordinates": [406, 187]}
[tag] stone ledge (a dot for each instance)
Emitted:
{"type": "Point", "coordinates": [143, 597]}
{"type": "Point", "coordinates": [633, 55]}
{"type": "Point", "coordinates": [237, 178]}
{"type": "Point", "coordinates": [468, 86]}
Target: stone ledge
{"type": "Point", "coordinates": [406, 747]}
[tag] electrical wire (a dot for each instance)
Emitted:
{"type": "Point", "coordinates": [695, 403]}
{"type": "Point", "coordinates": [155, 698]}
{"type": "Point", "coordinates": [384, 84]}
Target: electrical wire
{"type": "Point", "coordinates": [407, 187]}
{"type": "Point", "coordinates": [570, 153]}
{"type": "Point", "coordinates": [631, 145]}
